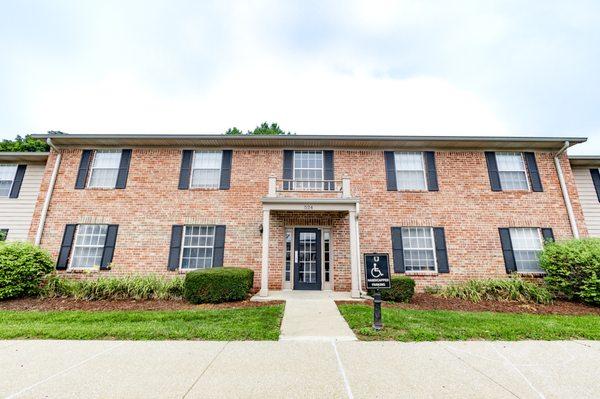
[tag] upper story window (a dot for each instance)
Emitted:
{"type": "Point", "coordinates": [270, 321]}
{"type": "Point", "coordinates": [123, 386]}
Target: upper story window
{"type": "Point", "coordinates": [198, 247]}
{"type": "Point", "coordinates": [410, 171]}
{"type": "Point", "coordinates": [206, 169]}
{"type": "Point", "coordinates": [7, 177]}
{"type": "Point", "coordinates": [308, 170]}
{"type": "Point", "coordinates": [89, 246]}
{"type": "Point", "coordinates": [104, 169]}
{"type": "Point", "coordinates": [527, 244]}
{"type": "Point", "coordinates": [512, 171]}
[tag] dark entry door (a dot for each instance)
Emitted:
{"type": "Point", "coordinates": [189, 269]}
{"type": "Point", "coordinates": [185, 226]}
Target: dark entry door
{"type": "Point", "coordinates": [307, 259]}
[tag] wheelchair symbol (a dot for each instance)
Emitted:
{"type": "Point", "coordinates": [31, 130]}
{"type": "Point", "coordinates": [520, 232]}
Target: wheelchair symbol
{"type": "Point", "coordinates": [375, 271]}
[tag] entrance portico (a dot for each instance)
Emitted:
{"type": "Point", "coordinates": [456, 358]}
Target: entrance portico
{"type": "Point", "coordinates": [314, 221]}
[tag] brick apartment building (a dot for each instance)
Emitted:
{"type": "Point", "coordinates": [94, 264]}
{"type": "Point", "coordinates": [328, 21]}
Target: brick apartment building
{"type": "Point", "coordinates": [303, 210]}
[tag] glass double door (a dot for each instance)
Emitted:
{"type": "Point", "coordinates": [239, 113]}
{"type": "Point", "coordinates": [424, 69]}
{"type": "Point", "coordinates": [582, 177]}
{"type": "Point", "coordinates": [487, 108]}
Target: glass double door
{"type": "Point", "coordinates": [307, 259]}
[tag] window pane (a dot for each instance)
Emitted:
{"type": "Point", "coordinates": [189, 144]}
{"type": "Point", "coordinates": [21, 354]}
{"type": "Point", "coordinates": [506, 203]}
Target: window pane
{"type": "Point", "coordinates": [419, 249]}
{"type": "Point", "coordinates": [105, 169]}
{"type": "Point", "coordinates": [7, 175]}
{"type": "Point", "coordinates": [527, 245]}
{"type": "Point", "coordinates": [103, 178]}
{"type": "Point", "coordinates": [198, 242]}
{"type": "Point", "coordinates": [511, 168]}
{"type": "Point", "coordinates": [308, 165]}
{"type": "Point", "coordinates": [107, 159]}
{"type": "Point", "coordinates": [206, 169]}
{"type": "Point", "coordinates": [410, 171]}
{"type": "Point", "coordinates": [89, 245]}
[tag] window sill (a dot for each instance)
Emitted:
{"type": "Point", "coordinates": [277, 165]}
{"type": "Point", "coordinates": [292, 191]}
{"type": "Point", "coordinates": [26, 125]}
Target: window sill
{"type": "Point", "coordinates": [204, 188]}
{"type": "Point", "coordinates": [531, 274]}
{"type": "Point", "coordinates": [83, 270]}
{"type": "Point", "coordinates": [414, 191]}
{"type": "Point", "coordinates": [421, 273]}
{"type": "Point", "coordinates": [101, 188]}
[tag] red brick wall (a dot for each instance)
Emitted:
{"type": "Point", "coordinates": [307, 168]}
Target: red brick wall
{"type": "Point", "coordinates": [470, 212]}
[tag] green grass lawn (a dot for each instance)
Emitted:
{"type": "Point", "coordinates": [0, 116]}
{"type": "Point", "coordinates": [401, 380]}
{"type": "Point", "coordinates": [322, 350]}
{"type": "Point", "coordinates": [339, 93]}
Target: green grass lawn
{"type": "Point", "coordinates": [433, 325]}
{"type": "Point", "coordinates": [255, 323]}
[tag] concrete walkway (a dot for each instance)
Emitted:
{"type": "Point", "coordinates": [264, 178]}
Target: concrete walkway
{"type": "Point", "coordinates": [311, 316]}
{"type": "Point", "coordinates": [299, 369]}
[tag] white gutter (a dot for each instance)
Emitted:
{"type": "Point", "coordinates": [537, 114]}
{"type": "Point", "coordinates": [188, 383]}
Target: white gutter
{"type": "Point", "coordinates": [565, 192]}
{"type": "Point", "coordinates": [40, 230]}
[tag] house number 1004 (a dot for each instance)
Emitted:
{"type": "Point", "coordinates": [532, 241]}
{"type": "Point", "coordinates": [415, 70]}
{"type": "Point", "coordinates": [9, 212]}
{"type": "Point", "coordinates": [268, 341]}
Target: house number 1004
{"type": "Point", "coordinates": [308, 207]}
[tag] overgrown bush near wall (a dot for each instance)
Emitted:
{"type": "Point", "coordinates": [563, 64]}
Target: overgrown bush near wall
{"type": "Point", "coordinates": [573, 269]}
{"type": "Point", "coordinates": [220, 284]}
{"type": "Point", "coordinates": [511, 289]}
{"type": "Point", "coordinates": [22, 268]}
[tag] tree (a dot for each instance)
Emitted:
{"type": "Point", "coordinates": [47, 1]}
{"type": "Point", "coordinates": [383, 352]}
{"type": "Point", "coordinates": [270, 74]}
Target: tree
{"type": "Point", "coordinates": [264, 129]}
{"type": "Point", "coordinates": [27, 144]}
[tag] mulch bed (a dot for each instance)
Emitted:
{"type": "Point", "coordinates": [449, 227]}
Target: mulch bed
{"type": "Point", "coordinates": [432, 302]}
{"type": "Point", "coordinates": [73, 304]}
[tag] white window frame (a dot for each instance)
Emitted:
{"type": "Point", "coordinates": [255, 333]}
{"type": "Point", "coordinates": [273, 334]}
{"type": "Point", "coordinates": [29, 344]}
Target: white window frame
{"type": "Point", "coordinates": [512, 243]}
{"type": "Point", "coordinates": [435, 260]}
{"type": "Point", "coordinates": [12, 182]}
{"type": "Point", "coordinates": [183, 247]}
{"type": "Point", "coordinates": [327, 284]}
{"type": "Point", "coordinates": [307, 184]}
{"type": "Point", "coordinates": [525, 171]}
{"type": "Point", "coordinates": [92, 168]}
{"type": "Point", "coordinates": [75, 246]}
{"type": "Point", "coordinates": [220, 169]}
{"type": "Point", "coordinates": [423, 170]}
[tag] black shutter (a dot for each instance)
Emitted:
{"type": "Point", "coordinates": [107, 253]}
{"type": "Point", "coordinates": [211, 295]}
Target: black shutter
{"type": "Point", "coordinates": [596, 179]}
{"type": "Point", "coordinates": [440, 250]}
{"type": "Point", "coordinates": [492, 165]}
{"type": "Point", "coordinates": [84, 166]}
{"type": "Point", "coordinates": [390, 170]}
{"type": "Point", "coordinates": [175, 249]}
{"type": "Point", "coordinates": [397, 250]}
{"type": "Point", "coordinates": [548, 235]}
{"type": "Point", "coordinates": [123, 169]}
{"type": "Point", "coordinates": [219, 247]}
{"type": "Point", "coordinates": [16, 187]}
{"type": "Point", "coordinates": [224, 184]}
{"type": "Point", "coordinates": [288, 169]}
{"type": "Point", "coordinates": [507, 251]}
{"type": "Point", "coordinates": [534, 173]}
{"type": "Point", "coordinates": [65, 247]}
{"type": "Point", "coordinates": [432, 181]}
{"type": "Point", "coordinates": [328, 173]}
{"type": "Point", "coordinates": [109, 246]}
{"type": "Point", "coordinates": [186, 169]}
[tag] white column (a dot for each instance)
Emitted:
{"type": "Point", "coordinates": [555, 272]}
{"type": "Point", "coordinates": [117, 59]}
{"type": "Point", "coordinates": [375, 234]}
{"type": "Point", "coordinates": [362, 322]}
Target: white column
{"type": "Point", "coordinates": [346, 187]}
{"type": "Point", "coordinates": [354, 255]}
{"type": "Point", "coordinates": [272, 187]}
{"type": "Point", "coordinates": [264, 275]}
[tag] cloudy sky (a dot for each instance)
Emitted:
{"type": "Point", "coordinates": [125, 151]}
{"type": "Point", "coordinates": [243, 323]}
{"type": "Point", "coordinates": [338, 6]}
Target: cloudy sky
{"type": "Point", "coordinates": [522, 67]}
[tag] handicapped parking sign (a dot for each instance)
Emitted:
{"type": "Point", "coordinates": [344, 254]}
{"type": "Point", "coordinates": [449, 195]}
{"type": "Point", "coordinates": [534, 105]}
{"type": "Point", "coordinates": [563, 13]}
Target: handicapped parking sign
{"type": "Point", "coordinates": [377, 271]}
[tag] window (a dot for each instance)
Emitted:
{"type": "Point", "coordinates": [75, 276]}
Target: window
{"type": "Point", "coordinates": [89, 246]}
{"type": "Point", "coordinates": [198, 247]}
{"type": "Point", "coordinates": [410, 171]}
{"type": "Point", "coordinates": [527, 244]}
{"type": "Point", "coordinates": [7, 176]}
{"type": "Point", "coordinates": [327, 255]}
{"type": "Point", "coordinates": [105, 169]}
{"type": "Point", "coordinates": [288, 254]}
{"type": "Point", "coordinates": [512, 172]}
{"type": "Point", "coordinates": [3, 234]}
{"type": "Point", "coordinates": [308, 170]}
{"type": "Point", "coordinates": [206, 169]}
{"type": "Point", "coordinates": [419, 249]}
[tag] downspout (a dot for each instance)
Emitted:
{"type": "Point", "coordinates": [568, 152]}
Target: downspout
{"type": "Point", "coordinates": [565, 192]}
{"type": "Point", "coordinates": [40, 230]}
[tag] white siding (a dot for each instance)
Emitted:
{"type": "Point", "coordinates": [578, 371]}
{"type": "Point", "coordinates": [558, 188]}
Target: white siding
{"type": "Point", "coordinates": [589, 199]}
{"type": "Point", "coordinates": [16, 213]}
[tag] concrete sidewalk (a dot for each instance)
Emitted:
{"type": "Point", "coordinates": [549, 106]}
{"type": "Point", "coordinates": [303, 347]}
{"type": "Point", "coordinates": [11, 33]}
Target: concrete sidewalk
{"type": "Point", "coordinates": [307, 369]}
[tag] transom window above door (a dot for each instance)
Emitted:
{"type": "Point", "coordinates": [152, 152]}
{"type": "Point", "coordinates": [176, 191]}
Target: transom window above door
{"type": "Point", "coordinates": [410, 171]}
{"type": "Point", "coordinates": [308, 170]}
{"type": "Point", "coordinates": [206, 169]}
{"type": "Point", "coordinates": [7, 176]}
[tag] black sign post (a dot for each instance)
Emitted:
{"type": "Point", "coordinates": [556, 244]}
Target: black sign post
{"type": "Point", "coordinates": [377, 273]}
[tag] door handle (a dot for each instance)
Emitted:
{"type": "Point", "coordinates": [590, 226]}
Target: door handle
{"type": "Point", "coordinates": [295, 256]}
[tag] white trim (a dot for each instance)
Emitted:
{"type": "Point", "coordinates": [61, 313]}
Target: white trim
{"type": "Point", "coordinates": [433, 248]}
{"type": "Point", "coordinates": [92, 168]}
{"type": "Point", "coordinates": [74, 247]}
{"type": "Point", "coordinates": [212, 257]}
{"type": "Point", "coordinates": [192, 168]}
{"type": "Point", "coordinates": [525, 170]}
{"type": "Point", "coordinates": [423, 170]}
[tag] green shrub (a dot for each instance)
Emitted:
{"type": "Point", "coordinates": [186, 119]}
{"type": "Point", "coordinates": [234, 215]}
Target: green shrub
{"type": "Point", "coordinates": [114, 288]}
{"type": "Point", "coordinates": [216, 285]}
{"type": "Point", "coordinates": [22, 268]}
{"type": "Point", "coordinates": [402, 290]}
{"type": "Point", "coordinates": [511, 289]}
{"type": "Point", "coordinates": [573, 269]}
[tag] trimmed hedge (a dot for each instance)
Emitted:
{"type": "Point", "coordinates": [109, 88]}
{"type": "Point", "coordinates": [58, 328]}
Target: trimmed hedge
{"type": "Point", "coordinates": [219, 284]}
{"type": "Point", "coordinates": [22, 268]}
{"type": "Point", "coordinates": [573, 269]}
{"type": "Point", "coordinates": [402, 290]}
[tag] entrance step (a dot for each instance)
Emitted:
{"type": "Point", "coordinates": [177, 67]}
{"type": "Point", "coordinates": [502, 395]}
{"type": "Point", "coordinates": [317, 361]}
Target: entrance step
{"type": "Point", "coordinates": [312, 316]}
